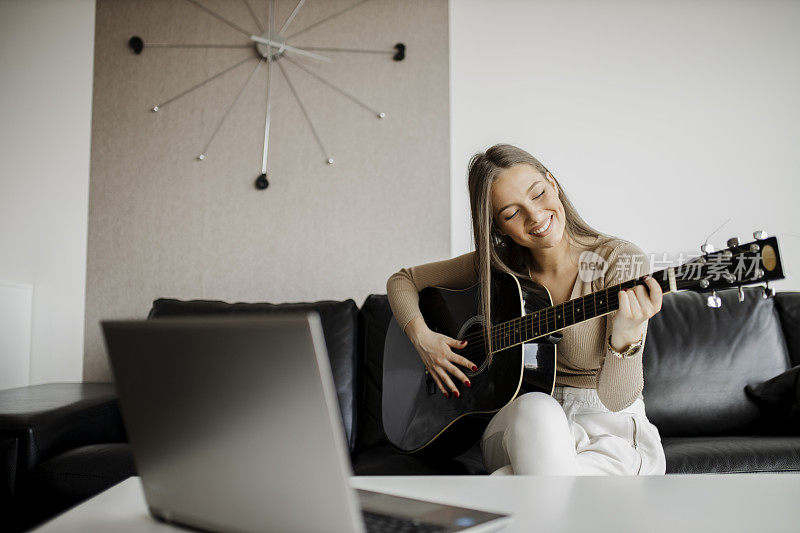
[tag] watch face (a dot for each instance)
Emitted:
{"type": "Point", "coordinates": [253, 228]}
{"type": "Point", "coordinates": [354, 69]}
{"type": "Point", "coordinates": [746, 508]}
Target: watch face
{"type": "Point", "coordinates": [629, 351]}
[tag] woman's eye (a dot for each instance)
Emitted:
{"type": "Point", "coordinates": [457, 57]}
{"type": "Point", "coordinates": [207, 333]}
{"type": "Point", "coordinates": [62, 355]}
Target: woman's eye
{"type": "Point", "coordinates": [515, 212]}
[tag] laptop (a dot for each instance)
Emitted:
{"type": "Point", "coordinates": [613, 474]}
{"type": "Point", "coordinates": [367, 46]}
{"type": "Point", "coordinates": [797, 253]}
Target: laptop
{"type": "Point", "coordinates": [234, 426]}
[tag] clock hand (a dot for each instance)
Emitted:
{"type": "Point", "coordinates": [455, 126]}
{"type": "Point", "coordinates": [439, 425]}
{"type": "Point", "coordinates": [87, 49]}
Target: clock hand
{"type": "Point", "coordinates": [282, 46]}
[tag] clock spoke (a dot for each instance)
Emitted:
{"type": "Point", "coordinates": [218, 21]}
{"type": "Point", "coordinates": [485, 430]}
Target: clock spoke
{"type": "Point", "coordinates": [378, 114]}
{"type": "Point", "coordinates": [271, 17]}
{"type": "Point", "coordinates": [187, 45]}
{"type": "Point", "coordinates": [252, 14]}
{"type": "Point", "coordinates": [291, 17]}
{"type": "Point", "coordinates": [360, 51]}
{"type": "Point", "coordinates": [326, 19]}
{"type": "Point", "coordinates": [266, 121]}
{"type": "Point", "coordinates": [328, 159]}
{"type": "Point", "coordinates": [187, 91]}
{"type": "Point", "coordinates": [219, 17]}
{"type": "Point", "coordinates": [202, 155]}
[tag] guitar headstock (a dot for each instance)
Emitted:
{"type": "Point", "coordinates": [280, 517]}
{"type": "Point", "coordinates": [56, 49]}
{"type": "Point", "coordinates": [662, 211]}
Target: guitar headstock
{"type": "Point", "coordinates": [738, 265]}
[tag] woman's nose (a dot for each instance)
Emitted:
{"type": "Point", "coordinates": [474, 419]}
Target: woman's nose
{"type": "Point", "coordinates": [534, 213]}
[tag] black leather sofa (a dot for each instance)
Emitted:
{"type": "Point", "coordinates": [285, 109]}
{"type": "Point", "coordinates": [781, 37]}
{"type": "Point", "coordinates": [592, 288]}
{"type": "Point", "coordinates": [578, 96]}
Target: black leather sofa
{"type": "Point", "coordinates": [62, 443]}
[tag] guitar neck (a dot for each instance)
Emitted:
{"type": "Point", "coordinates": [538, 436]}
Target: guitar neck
{"type": "Point", "coordinates": [741, 264]}
{"type": "Point", "coordinates": [551, 319]}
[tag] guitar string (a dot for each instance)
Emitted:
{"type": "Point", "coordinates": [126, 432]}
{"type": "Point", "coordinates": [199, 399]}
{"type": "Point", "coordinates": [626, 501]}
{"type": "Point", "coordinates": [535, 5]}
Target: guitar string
{"type": "Point", "coordinates": [569, 306]}
{"type": "Point", "coordinates": [480, 346]}
{"type": "Point", "coordinates": [517, 328]}
{"type": "Point", "coordinates": [514, 326]}
{"type": "Point", "coordinates": [506, 327]}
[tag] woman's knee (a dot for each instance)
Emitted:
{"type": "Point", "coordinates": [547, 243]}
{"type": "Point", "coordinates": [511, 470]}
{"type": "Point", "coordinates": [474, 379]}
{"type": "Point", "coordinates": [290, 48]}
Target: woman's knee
{"type": "Point", "coordinates": [536, 408]}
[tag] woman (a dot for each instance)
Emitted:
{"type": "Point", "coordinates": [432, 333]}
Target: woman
{"type": "Point", "coordinates": [524, 224]}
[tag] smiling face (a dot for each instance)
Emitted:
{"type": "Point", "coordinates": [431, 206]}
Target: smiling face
{"type": "Point", "coordinates": [526, 207]}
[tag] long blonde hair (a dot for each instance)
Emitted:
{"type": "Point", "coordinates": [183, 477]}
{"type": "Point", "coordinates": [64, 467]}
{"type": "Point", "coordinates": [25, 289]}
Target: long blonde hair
{"type": "Point", "coordinates": [498, 251]}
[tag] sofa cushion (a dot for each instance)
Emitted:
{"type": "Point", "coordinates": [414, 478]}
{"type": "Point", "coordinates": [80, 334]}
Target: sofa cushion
{"type": "Point", "coordinates": [727, 455]}
{"type": "Point", "coordinates": [339, 322]}
{"type": "Point", "coordinates": [697, 361]}
{"type": "Point", "coordinates": [779, 400]}
{"type": "Point", "coordinates": [788, 304]}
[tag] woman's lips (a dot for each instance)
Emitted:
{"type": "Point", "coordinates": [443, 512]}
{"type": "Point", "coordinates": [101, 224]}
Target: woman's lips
{"type": "Point", "coordinates": [549, 224]}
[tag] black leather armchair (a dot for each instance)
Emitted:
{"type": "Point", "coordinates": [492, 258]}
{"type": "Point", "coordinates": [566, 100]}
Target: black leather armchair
{"type": "Point", "coordinates": [61, 443]}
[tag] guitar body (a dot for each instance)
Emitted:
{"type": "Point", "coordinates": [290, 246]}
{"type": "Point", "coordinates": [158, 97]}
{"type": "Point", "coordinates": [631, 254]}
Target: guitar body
{"type": "Point", "coordinates": [417, 417]}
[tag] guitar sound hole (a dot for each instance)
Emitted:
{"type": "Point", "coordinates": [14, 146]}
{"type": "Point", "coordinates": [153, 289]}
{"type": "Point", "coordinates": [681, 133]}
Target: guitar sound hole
{"type": "Point", "coordinates": [475, 350]}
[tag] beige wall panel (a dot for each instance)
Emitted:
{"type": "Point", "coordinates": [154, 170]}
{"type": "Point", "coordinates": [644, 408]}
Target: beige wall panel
{"type": "Point", "coordinates": [162, 224]}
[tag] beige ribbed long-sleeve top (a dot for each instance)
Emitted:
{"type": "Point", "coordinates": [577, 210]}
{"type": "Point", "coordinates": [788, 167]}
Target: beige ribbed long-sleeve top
{"type": "Point", "coordinates": [583, 359]}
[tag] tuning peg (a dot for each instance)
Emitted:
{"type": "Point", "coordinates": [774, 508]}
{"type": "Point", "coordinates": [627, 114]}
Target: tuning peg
{"type": "Point", "coordinates": [733, 241]}
{"type": "Point", "coordinates": [760, 235]}
{"type": "Point", "coordinates": [707, 248]}
{"type": "Point", "coordinates": [714, 301]}
{"type": "Point", "coordinates": [703, 283]}
{"type": "Point", "coordinates": [741, 293]}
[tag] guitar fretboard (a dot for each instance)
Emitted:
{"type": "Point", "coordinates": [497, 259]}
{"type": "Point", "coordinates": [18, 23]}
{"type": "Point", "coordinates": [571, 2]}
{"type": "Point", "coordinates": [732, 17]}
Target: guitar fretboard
{"type": "Point", "coordinates": [551, 319]}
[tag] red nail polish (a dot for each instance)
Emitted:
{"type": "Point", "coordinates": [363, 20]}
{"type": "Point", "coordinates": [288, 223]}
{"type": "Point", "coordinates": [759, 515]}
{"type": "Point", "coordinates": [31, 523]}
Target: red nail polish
{"type": "Point", "coordinates": [457, 394]}
{"type": "Point", "coordinates": [446, 395]}
{"type": "Point", "coordinates": [474, 368]}
{"type": "Point", "coordinates": [468, 384]}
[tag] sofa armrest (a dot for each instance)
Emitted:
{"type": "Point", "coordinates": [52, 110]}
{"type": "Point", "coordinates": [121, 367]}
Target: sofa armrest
{"type": "Point", "coordinates": [48, 419]}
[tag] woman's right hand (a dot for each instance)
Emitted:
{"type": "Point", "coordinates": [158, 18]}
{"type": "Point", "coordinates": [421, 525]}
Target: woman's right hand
{"type": "Point", "coordinates": [437, 355]}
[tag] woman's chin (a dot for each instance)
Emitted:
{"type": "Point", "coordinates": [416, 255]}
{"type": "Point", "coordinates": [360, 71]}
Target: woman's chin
{"type": "Point", "coordinates": [551, 239]}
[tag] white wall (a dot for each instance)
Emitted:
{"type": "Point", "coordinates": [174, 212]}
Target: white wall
{"type": "Point", "coordinates": [661, 119]}
{"type": "Point", "coordinates": [46, 61]}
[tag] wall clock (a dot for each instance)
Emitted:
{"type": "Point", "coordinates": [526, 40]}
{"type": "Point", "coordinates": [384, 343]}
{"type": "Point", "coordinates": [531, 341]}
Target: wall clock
{"type": "Point", "coordinates": [271, 45]}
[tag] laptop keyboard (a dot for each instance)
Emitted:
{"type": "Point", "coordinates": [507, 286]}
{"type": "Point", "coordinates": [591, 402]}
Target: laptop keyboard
{"type": "Point", "coordinates": [379, 523]}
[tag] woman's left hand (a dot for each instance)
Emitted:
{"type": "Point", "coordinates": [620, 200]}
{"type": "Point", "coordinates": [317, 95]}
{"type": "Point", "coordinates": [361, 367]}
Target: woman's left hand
{"type": "Point", "coordinates": [636, 306]}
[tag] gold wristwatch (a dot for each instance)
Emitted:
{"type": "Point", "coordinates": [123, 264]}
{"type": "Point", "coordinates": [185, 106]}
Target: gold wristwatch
{"type": "Point", "coordinates": [629, 351]}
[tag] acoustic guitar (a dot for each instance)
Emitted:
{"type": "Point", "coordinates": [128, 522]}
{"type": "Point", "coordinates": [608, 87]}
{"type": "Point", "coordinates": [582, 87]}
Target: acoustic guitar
{"type": "Point", "coordinates": [418, 419]}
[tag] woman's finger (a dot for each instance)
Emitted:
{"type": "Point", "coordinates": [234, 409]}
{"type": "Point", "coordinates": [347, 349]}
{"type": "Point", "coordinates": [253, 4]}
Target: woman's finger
{"type": "Point", "coordinates": [453, 369]}
{"type": "Point", "coordinates": [624, 303]}
{"type": "Point", "coordinates": [463, 361]}
{"type": "Point", "coordinates": [438, 382]}
{"type": "Point", "coordinates": [656, 294]}
{"type": "Point", "coordinates": [643, 299]}
{"type": "Point", "coordinates": [636, 311]}
{"type": "Point", "coordinates": [455, 343]}
{"type": "Point", "coordinates": [448, 383]}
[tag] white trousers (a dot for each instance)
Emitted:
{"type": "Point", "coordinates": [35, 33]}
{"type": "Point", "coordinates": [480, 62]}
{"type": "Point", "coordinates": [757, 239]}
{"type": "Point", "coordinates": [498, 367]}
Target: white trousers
{"type": "Point", "coordinates": [571, 433]}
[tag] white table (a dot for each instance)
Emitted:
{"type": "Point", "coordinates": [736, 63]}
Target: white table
{"type": "Point", "coordinates": [729, 503]}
